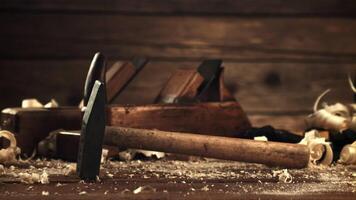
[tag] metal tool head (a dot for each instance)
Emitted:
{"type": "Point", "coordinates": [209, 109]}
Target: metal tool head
{"type": "Point", "coordinates": [139, 62]}
{"type": "Point", "coordinates": [92, 134]}
{"type": "Point", "coordinates": [210, 70]}
{"type": "Point", "coordinates": [96, 72]}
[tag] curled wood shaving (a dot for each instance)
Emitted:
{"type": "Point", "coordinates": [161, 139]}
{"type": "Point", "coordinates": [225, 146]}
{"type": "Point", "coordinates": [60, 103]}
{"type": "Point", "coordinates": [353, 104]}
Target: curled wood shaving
{"type": "Point", "coordinates": [2, 169]}
{"type": "Point", "coordinates": [326, 120]}
{"type": "Point", "coordinates": [348, 154]}
{"type": "Point", "coordinates": [339, 109]}
{"type": "Point", "coordinates": [283, 175]}
{"type": "Point", "coordinates": [320, 150]}
{"type": "Point", "coordinates": [316, 104]}
{"type": "Point", "coordinates": [352, 86]}
{"type": "Point", "coordinates": [353, 123]}
{"type": "Point", "coordinates": [9, 154]}
{"type": "Point", "coordinates": [336, 117]}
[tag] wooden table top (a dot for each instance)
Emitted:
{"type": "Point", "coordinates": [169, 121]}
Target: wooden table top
{"type": "Point", "coordinates": [173, 179]}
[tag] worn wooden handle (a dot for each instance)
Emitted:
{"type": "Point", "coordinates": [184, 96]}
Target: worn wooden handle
{"type": "Point", "coordinates": [269, 153]}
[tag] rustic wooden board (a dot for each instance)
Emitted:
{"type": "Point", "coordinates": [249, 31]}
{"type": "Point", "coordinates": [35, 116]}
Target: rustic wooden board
{"type": "Point", "coordinates": [178, 37]}
{"type": "Point", "coordinates": [63, 80]}
{"type": "Point", "coordinates": [240, 7]}
{"type": "Point", "coordinates": [220, 119]}
{"type": "Point", "coordinates": [260, 87]}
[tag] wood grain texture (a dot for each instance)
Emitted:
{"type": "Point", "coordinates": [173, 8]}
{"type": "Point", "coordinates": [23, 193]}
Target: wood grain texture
{"type": "Point", "coordinates": [221, 119]}
{"type": "Point", "coordinates": [259, 87]}
{"type": "Point", "coordinates": [178, 37]}
{"type": "Point", "coordinates": [295, 156]}
{"type": "Point", "coordinates": [240, 7]}
{"type": "Point", "coordinates": [42, 79]}
{"type": "Point", "coordinates": [279, 55]}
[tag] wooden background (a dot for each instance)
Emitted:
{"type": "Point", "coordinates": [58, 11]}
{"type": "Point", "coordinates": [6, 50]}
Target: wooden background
{"type": "Point", "coordinates": [279, 54]}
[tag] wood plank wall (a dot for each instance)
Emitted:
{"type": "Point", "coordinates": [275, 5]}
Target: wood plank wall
{"type": "Point", "coordinates": [279, 54]}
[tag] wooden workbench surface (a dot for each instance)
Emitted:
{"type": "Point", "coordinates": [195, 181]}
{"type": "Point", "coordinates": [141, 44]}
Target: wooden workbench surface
{"type": "Point", "coordinates": [171, 179]}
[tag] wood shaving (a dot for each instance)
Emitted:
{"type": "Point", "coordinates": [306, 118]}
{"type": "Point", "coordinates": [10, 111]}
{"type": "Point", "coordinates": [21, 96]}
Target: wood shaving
{"type": "Point", "coordinates": [2, 169]}
{"type": "Point", "coordinates": [283, 175]}
{"type": "Point", "coordinates": [82, 193]}
{"type": "Point", "coordinates": [144, 189]}
{"type": "Point", "coordinates": [45, 193]}
{"type": "Point", "coordinates": [69, 169]}
{"type": "Point", "coordinates": [352, 86]}
{"type": "Point", "coordinates": [130, 154]}
{"type": "Point", "coordinates": [323, 119]}
{"type": "Point", "coordinates": [34, 103]}
{"type": "Point", "coordinates": [31, 103]}
{"type": "Point", "coordinates": [31, 178]}
{"type": "Point", "coordinates": [125, 191]}
{"type": "Point", "coordinates": [320, 150]}
{"type": "Point", "coordinates": [336, 117]}
{"type": "Point", "coordinates": [205, 188]}
{"type": "Point", "coordinates": [348, 154]}
{"type": "Point", "coordinates": [104, 156]}
{"type": "Point", "coordinates": [9, 154]}
{"type": "Point", "coordinates": [52, 104]}
{"type": "Point", "coordinates": [261, 138]}
{"type": "Point", "coordinates": [110, 175]}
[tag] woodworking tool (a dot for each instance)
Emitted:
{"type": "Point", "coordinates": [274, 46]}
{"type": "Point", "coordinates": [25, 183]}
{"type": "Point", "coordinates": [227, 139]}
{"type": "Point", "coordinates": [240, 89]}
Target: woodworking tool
{"type": "Point", "coordinates": [204, 84]}
{"type": "Point", "coordinates": [94, 128]}
{"type": "Point", "coordinates": [96, 72]}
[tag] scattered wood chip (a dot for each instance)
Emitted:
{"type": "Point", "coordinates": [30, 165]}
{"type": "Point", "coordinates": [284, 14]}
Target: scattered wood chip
{"type": "Point", "coordinates": [31, 178]}
{"type": "Point", "coordinates": [283, 175]}
{"type": "Point", "coordinates": [125, 191]}
{"type": "Point", "coordinates": [69, 169]}
{"type": "Point", "coordinates": [2, 169]}
{"type": "Point", "coordinates": [205, 188]}
{"type": "Point", "coordinates": [144, 189]}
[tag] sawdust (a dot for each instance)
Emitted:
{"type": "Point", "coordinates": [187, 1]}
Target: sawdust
{"type": "Point", "coordinates": [202, 176]}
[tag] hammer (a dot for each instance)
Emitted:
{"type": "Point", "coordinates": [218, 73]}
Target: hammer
{"type": "Point", "coordinates": [94, 133]}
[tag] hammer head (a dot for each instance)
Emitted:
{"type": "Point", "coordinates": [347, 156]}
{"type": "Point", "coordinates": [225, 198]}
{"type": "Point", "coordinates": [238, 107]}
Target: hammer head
{"type": "Point", "coordinates": [92, 134]}
{"type": "Point", "coordinates": [96, 72]}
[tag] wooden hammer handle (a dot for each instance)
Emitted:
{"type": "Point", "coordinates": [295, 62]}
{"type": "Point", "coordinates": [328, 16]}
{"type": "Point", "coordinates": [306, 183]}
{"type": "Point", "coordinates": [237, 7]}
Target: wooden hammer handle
{"type": "Point", "coordinates": [269, 153]}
